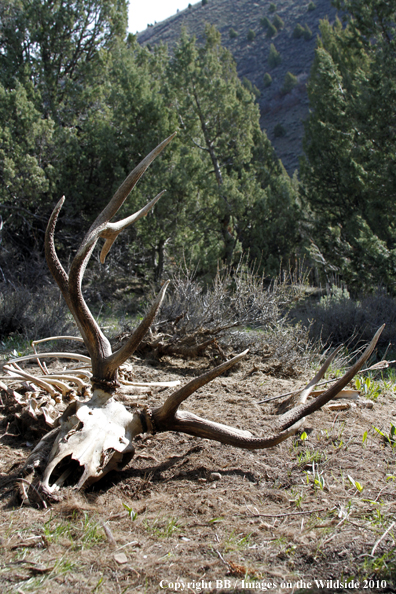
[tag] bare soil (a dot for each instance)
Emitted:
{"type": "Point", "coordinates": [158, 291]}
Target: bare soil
{"type": "Point", "coordinates": [191, 515]}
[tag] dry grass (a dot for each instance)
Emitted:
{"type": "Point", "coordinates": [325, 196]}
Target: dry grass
{"type": "Point", "coordinates": [190, 510]}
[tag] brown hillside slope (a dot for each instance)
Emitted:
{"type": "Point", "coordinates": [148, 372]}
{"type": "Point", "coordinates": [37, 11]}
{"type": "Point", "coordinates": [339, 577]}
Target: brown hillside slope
{"type": "Point", "coordinates": [241, 16]}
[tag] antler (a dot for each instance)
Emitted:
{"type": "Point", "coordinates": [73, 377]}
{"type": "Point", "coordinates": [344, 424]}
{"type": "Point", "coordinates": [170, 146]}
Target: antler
{"type": "Point", "coordinates": [168, 418]}
{"type": "Point", "coordinates": [104, 362]}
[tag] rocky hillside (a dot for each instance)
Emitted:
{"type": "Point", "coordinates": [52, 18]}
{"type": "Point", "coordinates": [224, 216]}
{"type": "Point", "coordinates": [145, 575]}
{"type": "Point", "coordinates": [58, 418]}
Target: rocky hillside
{"type": "Point", "coordinates": [249, 28]}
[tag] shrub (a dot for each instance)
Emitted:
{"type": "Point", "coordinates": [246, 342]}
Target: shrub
{"type": "Point", "coordinates": [251, 35]}
{"type": "Point", "coordinates": [271, 31]}
{"type": "Point", "coordinates": [307, 33]}
{"type": "Point", "coordinates": [336, 317]}
{"type": "Point", "coordinates": [265, 22]}
{"type": "Point", "coordinates": [272, 7]}
{"type": "Point", "coordinates": [279, 131]}
{"type": "Point", "coordinates": [289, 83]}
{"type": "Point", "coordinates": [298, 31]}
{"type": "Point", "coordinates": [240, 309]}
{"type": "Point", "coordinates": [190, 6]}
{"type": "Point", "coordinates": [232, 33]}
{"type": "Point", "coordinates": [278, 22]}
{"type": "Point", "coordinates": [204, 2]}
{"type": "Point", "coordinates": [32, 314]}
{"type": "Point", "coordinates": [250, 87]}
{"type": "Point", "coordinates": [311, 6]}
{"type": "Point", "coordinates": [274, 57]}
{"type": "Point", "coordinates": [267, 80]}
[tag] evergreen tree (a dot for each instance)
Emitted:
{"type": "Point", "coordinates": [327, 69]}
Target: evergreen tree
{"type": "Point", "coordinates": [348, 173]}
{"type": "Point", "coordinates": [237, 170]}
{"type": "Point", "coordinates": [52, 42]}
{"type": "Point", "coordinates": [26, 173]}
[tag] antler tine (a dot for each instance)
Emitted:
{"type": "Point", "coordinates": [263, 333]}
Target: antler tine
{"type": "Point", "coordinates": [308, 389]}
{"type": "Point", "coordinates": [127, 186]}
{"type": "Point", "coordinates": [289, 423]}
{"type": "Point", "coordinates": [56, 268]}
{"type": "Point", "coordinates": [291, 417]}
{"type": "Point", "coordinates": [112, 230]}
{"type": "Point", "coordinates": [172, 403]}
{"type": "Point", "coordinates": [102, 222]}
{"type": "Point", "coordinates": [118, 358]}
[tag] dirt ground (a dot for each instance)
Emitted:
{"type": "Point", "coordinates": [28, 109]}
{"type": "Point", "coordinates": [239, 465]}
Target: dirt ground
{"type": "Point", "coordinates": [189, 515]}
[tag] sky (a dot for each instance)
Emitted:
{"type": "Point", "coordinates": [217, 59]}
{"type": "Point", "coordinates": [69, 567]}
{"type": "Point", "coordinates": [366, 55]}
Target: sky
{"type": "Point", "coordinates": [143, 12]}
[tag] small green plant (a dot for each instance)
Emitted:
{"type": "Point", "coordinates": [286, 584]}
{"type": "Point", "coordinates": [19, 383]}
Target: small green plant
{"type": "Point", "coordinates": [368, 387]}
{"type": "Point", "coordinates": [382, 565]}
{"type": "Point", "coordinates": [279, 131]}
{"type": "Point", "coordinates": [52, 532]}
{"type": "Point", "coordinates": [232, 33]}
{"type": "Point", "coordinates": [389, 438]}
{"type": "Point", "coordinates": [274, 57]}
{"type": "Point", "coordinates": [237, 542]}
{"type": "Point", "coordinates": [267, 80]}
{"type": "Point", "coordinates": [356, 484]}
{"type": "Point", "coordinates": [163, 528]}
{"type": "Point", "coordinates": [319, 481]}
{"type": "Point", "coordinates": [309, 456]}
{"type": "Point", "coordinates": [272, 7]}
{"type": "Point", "coordinates": [215, 520]}
{"type": "Point", "coordinates": [376, 517]}
{"type": "Point", "coordinates": [278, 22]}
{"type": "Point", "coordinates": [311, 6]}
{"type": "Point", "coordinates": [39, 582]}
{"type": "Point", "coordinates": [251, 35]}
{"type": "Point", "coordinates": [271, 31]}
{"type": "Point", "coordinates": [303, 436]}
{"type": "Point", "coordinates": [96, 588]}
{"type": "Point", "coordinates": [83, 532]}
{"type": "Point", "coordinates": [132, 514]}
{"type": "Point", "coordinates": [298, 498]}
{"type": "Point", "coordinates": [289, 82]}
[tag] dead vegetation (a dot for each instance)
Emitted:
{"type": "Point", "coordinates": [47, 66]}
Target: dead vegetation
{"type": "Point", "coordinates": [239, 310]}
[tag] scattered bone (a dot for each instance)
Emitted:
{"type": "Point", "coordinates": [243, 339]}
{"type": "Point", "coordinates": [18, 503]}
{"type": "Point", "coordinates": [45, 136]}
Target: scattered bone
{"type": "Point", "coordinates": [339, 406]}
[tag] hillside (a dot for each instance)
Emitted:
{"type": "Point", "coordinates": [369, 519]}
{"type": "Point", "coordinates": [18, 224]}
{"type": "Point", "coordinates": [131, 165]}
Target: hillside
{"type": "Point", "coordinates": [235, 20]}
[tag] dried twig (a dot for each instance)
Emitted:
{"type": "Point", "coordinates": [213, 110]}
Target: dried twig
{"type": "Point", "coordinates": [312, 511]}
{"type": "Point", "coordinates": [382, 538]}
{"type": "Point", "coordinates": [109, 534]}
